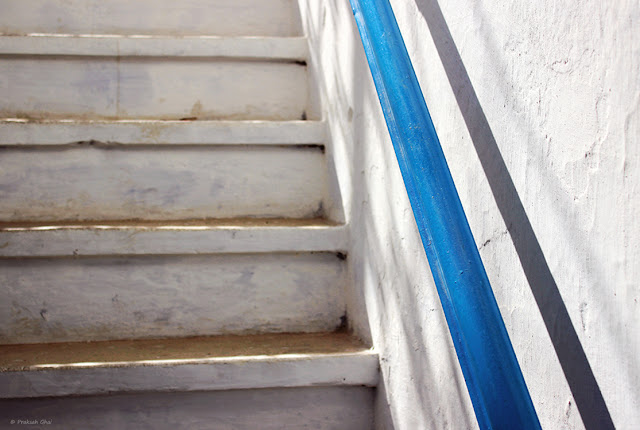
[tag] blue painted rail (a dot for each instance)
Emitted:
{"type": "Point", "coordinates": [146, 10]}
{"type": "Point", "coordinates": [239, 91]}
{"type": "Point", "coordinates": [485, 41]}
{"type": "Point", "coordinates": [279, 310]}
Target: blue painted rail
{"type": "Point", "coordinates": [497, 389]}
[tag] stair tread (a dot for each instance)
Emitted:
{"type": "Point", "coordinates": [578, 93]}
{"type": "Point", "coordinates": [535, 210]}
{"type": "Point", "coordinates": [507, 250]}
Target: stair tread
{"type": "Point", "coordinates": [108, 45]}
{"type": "Point", "coordinates": [23, 131]}
{"type": "Point", "coordinates": [188, 224]}
{"type": "Point", "coordinates": [248, 235]}
{"type": "Point", "coordinates": [117, 353]}
{"type": "Point", "coordinates": [188, 364]}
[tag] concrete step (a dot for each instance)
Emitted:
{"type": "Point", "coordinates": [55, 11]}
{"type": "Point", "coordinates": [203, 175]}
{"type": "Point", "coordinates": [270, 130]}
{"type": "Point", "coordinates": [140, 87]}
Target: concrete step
{"type": "Point", "coordinates": [93, 181]}
{"type": "Point", "coordinates": [185, 17]}
{"type": "Point", "coordinates": [106, 77]}
{"type": "Point", "coordinates": [54, 239]}
{"type": "Point", "coordinates": [120, 159]}
{"type": "Point", "coordinates": [73, 282]}
{"type": "Point", "coordinates": [186, 364]}
{"type": "Point", "coordinates": [111, 297]}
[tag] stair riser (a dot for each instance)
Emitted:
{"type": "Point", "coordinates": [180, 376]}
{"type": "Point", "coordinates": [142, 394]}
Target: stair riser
{"type": "Point", "coordinates": [152, 88]}
{"type": "Point", "coordinates": [320, 408]}
{"type": "Point", "coordinates": [185, 17]}
{"type": "Point", "coordinates": [100, 298]}
{"type": "Point", "coordinates": [160, 183]}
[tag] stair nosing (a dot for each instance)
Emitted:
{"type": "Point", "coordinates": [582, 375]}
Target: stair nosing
{"type": "Point", "coordinates": [248, 47]}
{"type": "Point", "coordinates": [307, 364]}
{"type": "Point", "coordinates": [24, 132]}
{"type": "Point", "coordinates": [316, 370]}
{"type": "Point", "coordinates": [186, 361]}
{"type": "Point", "coordinates": [167, 238]}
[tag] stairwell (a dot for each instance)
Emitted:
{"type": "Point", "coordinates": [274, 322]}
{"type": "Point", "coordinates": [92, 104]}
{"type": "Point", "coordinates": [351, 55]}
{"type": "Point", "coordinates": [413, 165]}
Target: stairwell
{"type": "Point", "coordinates": [172, 243]}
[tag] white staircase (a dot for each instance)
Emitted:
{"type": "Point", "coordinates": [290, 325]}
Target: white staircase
{"type": "Point", "coordinates": [172, 247]}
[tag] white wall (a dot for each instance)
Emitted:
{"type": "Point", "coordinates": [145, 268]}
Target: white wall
{"type": "Point", "coordinates": [394, 303]}
{"type": "Point", "coordinates": [537, 108]}
{"type": "Point", "coordinates": [559, 90]}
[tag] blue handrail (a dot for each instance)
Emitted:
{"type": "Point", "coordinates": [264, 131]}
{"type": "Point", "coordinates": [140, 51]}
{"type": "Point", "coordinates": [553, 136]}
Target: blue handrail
{"type": "Point", "coordinates": [495, 383]}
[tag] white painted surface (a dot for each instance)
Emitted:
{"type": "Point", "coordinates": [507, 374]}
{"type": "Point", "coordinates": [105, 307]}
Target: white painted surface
{"type": "Point", "coordinates": [558, 87]}
{"type": "Point", "coordinates": [151, 88]}
{"type": "Point", "coordinates": [186, 17]}
{"type": "Point", "coordinates": [560, 91]}
{"type": "Point", "coordinates": [286, 370]}
{"type": "Point", "coordinates": [160, 183]}
{"type": "Point", "coordinates": [167, 238]}
{"type": "Point", "coordinates": [141, 132]}
{"type": "Point", "coordinates": [284, 48]}
{"type": "Point", "coordinates": [318, 408]}
{"type": "Point", "coordinates": [83, 299]}
{"type": "Point", "coordinates": [393, 300]}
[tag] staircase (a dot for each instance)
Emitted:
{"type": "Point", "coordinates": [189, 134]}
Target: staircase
{"type": "Point", "coordinates": [172, 244]}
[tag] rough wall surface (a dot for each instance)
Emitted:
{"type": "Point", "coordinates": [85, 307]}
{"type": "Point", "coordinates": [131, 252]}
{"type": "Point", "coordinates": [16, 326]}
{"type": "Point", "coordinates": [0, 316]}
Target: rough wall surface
{"type": "Point", "coordinates": [538, 110]}
{"type": "Point", "coordinates": [551, 89]}
{"type": "Point", "coordinates": [394, 303]}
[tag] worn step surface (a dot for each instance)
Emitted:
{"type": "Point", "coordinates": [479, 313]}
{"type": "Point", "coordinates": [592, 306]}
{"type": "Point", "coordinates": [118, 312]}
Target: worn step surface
{"type": "Point", "coordinates": [187, 364]}
{"type": "Point", "coordinates": [185, 17]}
{"type": "Point", "coordinates": [93, 181]}
{"type": "Point", "coordinates": [97, 298]}
{"type": "Point", "coordinates": [128, 169]}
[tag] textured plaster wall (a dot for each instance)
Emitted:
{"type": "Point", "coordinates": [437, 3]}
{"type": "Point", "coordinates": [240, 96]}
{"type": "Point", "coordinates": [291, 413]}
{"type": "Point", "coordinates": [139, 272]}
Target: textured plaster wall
{"type": "Point", "coordinates": [537, 106]}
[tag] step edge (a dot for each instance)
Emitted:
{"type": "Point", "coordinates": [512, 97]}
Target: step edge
{"type": "Point", "coordinates": [348, 369]}
{"type": "Point", "coordinates": [284, 357]}
{"type": "Point", "coordinates": [187, 241]}
{"type": "Point", "coordinates": [24, 132]}
{"type": "Point", "coordinates": [248, 47]}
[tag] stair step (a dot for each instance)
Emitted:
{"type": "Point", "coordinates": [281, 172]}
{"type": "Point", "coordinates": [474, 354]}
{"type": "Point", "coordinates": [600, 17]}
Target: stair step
{"type": "Point", "coordinates": [144, 87]}
{"type": "Point", "coordinates": [150, 132]}
{"type": "Point", "coordinates": [282, 48]}
{"type": "Point", "coordinates": [90, 181]}
{"type": "Point", "coordinates": [186, 17]}
{"type": "Point", "coordinates": [186, 364]}
{"type": "Point", "coordinates": [114, 297]}
{"type": "Point", "coordinates": [165, 238]}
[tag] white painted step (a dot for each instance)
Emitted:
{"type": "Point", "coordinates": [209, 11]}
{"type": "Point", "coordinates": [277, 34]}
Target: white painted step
{"type": "Point", "coordinates": [283, 48]}
{"type": "Point", "coordinates": [150, 132]}
{"type": "Point", "coordinates": [317, 408]}
{"type": "Point", "coordinates": [184, 17]}
{"type": "Point", "coordinates": [161, 182]}
{"type": "Point", "coordinates": [100, 298]}
{"type": "Point", "coordinates": [147, 87]}
{"type": "Point", "coordinates": [162, 238]}
{"type": "Point", "coordinates": [188, 364]}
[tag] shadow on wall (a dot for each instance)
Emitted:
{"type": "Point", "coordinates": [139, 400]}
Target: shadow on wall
{"type": "Point", "coordinates": [571, 355]}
